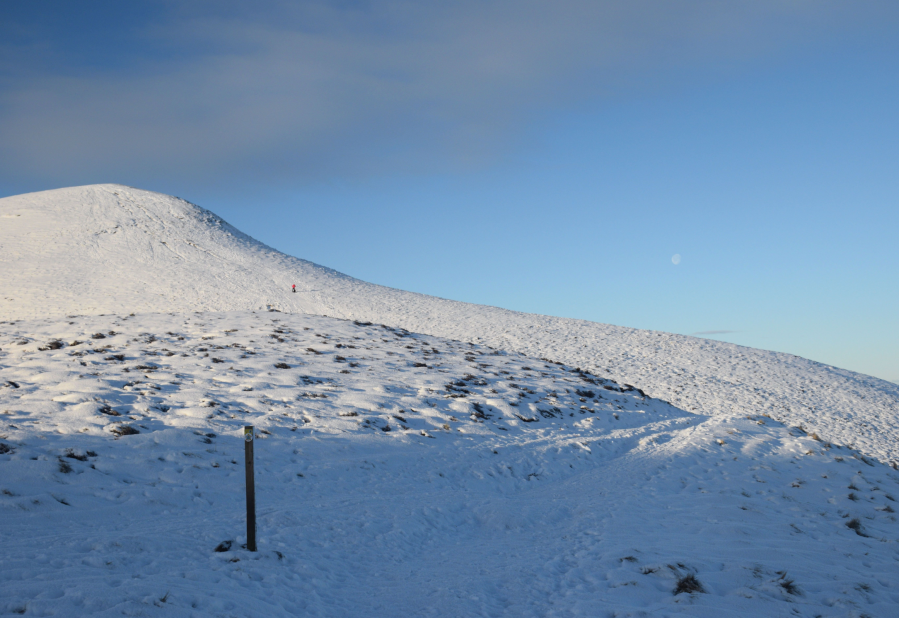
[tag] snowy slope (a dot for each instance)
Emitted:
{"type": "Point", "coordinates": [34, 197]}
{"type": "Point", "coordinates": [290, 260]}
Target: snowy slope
{"type": "Point", "coordinates": [400, 474]}
{"type": "Point", "coordinates": [481, 463]}
{"type": "Point", "coordinates": [113, 249]}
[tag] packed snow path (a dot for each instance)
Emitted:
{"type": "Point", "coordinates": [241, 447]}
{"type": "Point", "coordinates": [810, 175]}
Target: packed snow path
{"type": "Point", "coordinates": [405, 474]}
{"type": "Point", "coordinates": [113, 249]}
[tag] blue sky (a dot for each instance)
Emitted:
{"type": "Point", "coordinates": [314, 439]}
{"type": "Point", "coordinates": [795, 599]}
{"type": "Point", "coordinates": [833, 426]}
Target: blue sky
{"type": "Point", "coordinates": [545, 157]}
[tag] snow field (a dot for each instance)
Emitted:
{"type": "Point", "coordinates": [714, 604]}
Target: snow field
{"type": "Point", "coordinates": [505, 485]}
{"type": "Point", "coordinates": [111, 249]}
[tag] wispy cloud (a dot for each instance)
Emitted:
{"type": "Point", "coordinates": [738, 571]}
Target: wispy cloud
{"type": "Point", "coordinates": [312, 89]}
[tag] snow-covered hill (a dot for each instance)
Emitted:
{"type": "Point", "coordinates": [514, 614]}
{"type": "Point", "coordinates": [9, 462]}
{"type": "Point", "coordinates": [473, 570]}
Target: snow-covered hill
{"type": "Point", "coordinates": [113, 249]}
{"type": "Point", "coordinates": [416, 456]}
{"type": "Point", "coordinates": [404, 475]}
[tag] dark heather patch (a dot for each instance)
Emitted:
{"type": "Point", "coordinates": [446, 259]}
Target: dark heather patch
{"type": "Point", "coordinates": [688, 584]}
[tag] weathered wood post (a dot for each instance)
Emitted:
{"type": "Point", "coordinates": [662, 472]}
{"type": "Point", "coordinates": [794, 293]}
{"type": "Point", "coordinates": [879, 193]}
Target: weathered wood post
{"type": "Point", "coordinates": [248, 436]}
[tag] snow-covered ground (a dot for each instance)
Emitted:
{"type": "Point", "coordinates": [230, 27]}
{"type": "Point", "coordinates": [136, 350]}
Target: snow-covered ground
{"type": "Point", "coordinates": [402, 472]}
{"type": "Point", "coordinates": [113, 249]}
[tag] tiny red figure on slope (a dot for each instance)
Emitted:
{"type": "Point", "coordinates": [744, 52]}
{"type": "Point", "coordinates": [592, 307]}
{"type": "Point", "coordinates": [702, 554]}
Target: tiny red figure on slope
{"type": "Point", "coordinates": [293, 288]}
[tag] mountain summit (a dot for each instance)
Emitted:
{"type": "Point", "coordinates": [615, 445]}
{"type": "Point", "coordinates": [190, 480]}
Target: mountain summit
{"type": "Point", "coordinates": [110, 248]}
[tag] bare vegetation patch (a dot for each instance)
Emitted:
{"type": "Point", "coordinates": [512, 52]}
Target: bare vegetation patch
{"type": "Point", "coordinates": [688, 584]}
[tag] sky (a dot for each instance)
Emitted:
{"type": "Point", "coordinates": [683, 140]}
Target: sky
{"type": "Point", "coordinates": [720, 169]}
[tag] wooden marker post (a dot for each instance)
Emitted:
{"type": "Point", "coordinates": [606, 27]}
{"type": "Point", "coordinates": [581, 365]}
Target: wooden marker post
{"type": "Point", "coordinates": [248, 436]}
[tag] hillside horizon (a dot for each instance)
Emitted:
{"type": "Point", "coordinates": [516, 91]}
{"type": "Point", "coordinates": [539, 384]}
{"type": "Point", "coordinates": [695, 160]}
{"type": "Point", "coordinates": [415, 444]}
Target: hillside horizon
{"type": "Point", "coordinates": [109, 248]}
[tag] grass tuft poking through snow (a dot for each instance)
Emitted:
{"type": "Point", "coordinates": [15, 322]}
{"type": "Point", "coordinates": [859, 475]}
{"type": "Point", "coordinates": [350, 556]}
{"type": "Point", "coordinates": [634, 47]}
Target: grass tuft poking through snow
{"type": "Point", "coordinates": [688, 584]}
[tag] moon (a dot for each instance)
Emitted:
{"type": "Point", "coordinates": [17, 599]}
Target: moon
{"type": "Point", "coordinates": [675, 259]}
